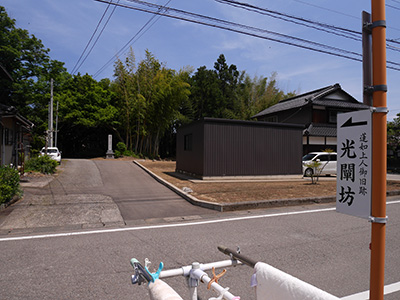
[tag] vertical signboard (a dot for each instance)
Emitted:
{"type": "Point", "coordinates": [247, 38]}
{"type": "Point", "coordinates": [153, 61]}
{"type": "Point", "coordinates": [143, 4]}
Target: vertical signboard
{"type": "Point", "coordinates": [354, 165]}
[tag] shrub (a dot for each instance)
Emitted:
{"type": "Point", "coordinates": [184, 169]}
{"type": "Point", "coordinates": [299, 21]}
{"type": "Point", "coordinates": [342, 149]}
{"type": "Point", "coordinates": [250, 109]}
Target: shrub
{"type": "Point", "coordinates": [317, 169]}
{"type": "Point", "coordinates": [121, 147]}
{"type": "Point", "coordinates": [121, 150]}
{"type": "Point", "coordinates": [43, 164]}
{"type": "Point", "coordinates": [9, 183]}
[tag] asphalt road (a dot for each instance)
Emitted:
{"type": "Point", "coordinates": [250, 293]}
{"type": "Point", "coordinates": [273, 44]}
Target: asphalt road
{"type": "Point", "coordinates": [95, 193]}
{"type": "Point", "coordinates": [137, 195]}
{"type": "Point", "coordinates": [313, 243]}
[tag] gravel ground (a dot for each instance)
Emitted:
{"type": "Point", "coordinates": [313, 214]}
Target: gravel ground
{"type": "Point", "coordinates": [230, 192]}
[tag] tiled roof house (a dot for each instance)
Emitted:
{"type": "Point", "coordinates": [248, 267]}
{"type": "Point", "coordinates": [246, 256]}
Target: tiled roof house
{"type": "Point", "coordinates": [317, 111]}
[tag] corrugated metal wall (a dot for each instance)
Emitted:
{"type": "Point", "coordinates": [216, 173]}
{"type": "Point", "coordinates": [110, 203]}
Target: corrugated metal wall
{"type": "Point", "coordinates": [243, 148]}
{"type": "Point", "coordinates": [190, 161]}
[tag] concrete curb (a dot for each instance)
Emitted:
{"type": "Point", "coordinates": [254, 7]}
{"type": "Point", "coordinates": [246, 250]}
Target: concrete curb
{"type": "Point", "coordinates": [274, 203]}
{"type": "Point", "coordinates": [39, 182]}
{"type": "Point", "coordinates": [3, 206]}
{"type": "Point", "coordinates": [243, 205]}
{"type": "Point", "coordinates": [186, 196]}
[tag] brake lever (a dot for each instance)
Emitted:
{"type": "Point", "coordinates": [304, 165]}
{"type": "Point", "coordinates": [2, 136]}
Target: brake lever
{"type": "Point", "coordinates": [141, 275]}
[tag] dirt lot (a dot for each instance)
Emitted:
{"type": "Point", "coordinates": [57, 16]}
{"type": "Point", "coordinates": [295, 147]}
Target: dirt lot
{"type": "Point", "coordinates": [230, 192]}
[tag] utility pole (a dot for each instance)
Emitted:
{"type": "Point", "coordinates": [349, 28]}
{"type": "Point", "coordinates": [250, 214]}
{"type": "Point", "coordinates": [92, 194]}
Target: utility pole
{"type": "Point", "coordinates": [379, 149]}
{"type": "Point", "coordinates": [50, 125]}
{"type": "Point", "coordinates": [56, 132]}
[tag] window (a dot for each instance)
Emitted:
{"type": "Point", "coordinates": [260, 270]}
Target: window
{"type": "Point", "coordinates": [309, 156]}
{"type": "Point", "coordinates": [327, 157]}
{"type": "Point", "coordinates": [188, 140]}
{"type": "Point", "coordinates": [323, 157]}
{"type": "Point", "coordinates": [318, 116]}
{"type": "Point", "coordinates": [8, 136]}
{"type": "Point", "coordinates": [333, 116]}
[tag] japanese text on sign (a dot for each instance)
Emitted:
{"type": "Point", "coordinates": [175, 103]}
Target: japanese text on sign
{"type": "Point", "coordinates": [354, 164]}
{"type": "Point", "coordinates": [347, 170]}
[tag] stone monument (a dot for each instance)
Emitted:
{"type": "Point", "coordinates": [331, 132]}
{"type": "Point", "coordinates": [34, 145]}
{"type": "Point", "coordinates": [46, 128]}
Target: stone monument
{"type": "Point", "coordinates": [110, 153]}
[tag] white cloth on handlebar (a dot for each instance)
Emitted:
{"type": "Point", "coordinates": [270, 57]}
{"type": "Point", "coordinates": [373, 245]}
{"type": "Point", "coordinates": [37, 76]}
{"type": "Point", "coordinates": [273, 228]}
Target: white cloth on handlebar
{"type": "Point", "coordinates": [159, 290]}
{"type": "Point", "coordinates": [273, 284]}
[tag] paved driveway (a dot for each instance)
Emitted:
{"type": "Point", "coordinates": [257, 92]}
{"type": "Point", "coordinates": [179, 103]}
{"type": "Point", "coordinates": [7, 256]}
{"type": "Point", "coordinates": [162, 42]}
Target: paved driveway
{"type": "Point", "coordinates": [139, 196]}
{"type": "Point", "coordinates": [95, 193]}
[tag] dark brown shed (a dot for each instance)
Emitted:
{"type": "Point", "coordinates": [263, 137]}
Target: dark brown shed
{"type": "Point", "coordinates": [220, 147]}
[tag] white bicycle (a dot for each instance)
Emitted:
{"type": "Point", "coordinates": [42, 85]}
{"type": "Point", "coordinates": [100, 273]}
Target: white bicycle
{"type": "Point", "coordinates": [269, 282]}
{"type": "Point", "coordinates": [195, 273]}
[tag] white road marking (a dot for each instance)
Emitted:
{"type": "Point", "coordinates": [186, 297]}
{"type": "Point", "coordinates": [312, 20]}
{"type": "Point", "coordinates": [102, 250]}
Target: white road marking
{"type": "Point", "coordinates": [32, 237]}
{"type": "Point", "coordinates": [161, 226]}
{"type": "Point", "coordinates": [388, 289]}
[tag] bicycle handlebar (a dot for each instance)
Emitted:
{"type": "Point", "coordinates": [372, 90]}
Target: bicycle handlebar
{"type": "Point", "coordinates": [233, 254]}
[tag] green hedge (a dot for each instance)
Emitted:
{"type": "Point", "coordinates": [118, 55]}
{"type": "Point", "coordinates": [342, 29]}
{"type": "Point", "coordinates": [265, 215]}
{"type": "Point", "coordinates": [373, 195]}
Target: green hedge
{"type": "Point", "coordinates": [43, 164]}
{"type": "Point", "coordinates": [121, 150]}
{"type": "Point", "coordinates": [9, 184]}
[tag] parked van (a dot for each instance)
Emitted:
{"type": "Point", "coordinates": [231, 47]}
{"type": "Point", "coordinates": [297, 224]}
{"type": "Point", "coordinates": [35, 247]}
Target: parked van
{"type": "Point", "coordinates": [327, 166]}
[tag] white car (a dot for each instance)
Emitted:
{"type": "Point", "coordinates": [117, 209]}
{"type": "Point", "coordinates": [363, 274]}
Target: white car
{"type": "Point", "coordinates": [327, 166]}
{"type": "Point", "coordinates": [52, 152]}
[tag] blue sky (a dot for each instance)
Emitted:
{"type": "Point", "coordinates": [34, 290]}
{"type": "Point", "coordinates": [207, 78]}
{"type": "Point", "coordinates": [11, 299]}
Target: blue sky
{"type": "Point", "coordinates": [66, 27]}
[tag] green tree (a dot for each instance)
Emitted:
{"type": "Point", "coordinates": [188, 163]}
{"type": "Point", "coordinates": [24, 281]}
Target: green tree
{"type": "Point", "coordinates": [226, 92]}
{"type": "Point", "coordinates": [30, 69]}
{"type": "Point", "coordinates": [164, 91]}
{"type": "Point", "coordinates": [129, 100]}
{"type": "Point", "coordinates": [151, 97]}
{"type": "Point", "coordinates": [229, 79]}
{"type": "Point", "coordinates": [259, 93]}
{"type": "Point", "coordinates": [87, 113]}
{"type": "Point", "coordinates": [205, 94]}
{"type": "Point", "coordinates": [214, 93]}
{"type": "Point", "coordinates": [393, 134]}
{"type": "Point", "coordinates": [393, 140]}
{"type": "Point", "coordinates": [25, 59]}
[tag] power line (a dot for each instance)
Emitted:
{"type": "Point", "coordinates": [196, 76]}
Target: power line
{"type": "Point", "coordinates": [196, 18]}
{"type": "Point", "coordinates": [340, 31]}
{"type": "Point", "coordinates": [244, 29]}
{"type": "Point", "coordinates": [328, 9]}
{"type": "Point", "coordinates": [91, 38]}
{"type": "Point", "coordinates": [332, 29]}
{"type": "Point", "coordinates": [138, 35]}
{"type": "Point", "coordinates": [339, 12]}
{"type": "Point", "coordinates": [391, 6]}
{"type": "Point", "coordinates": [95, 42]}
{"type": "Point", "coordinates": [76, 67]}
{"type": "Point", "coordinates": [151, 5]}
{"type": "Point", "coordinates": [398, 2]}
